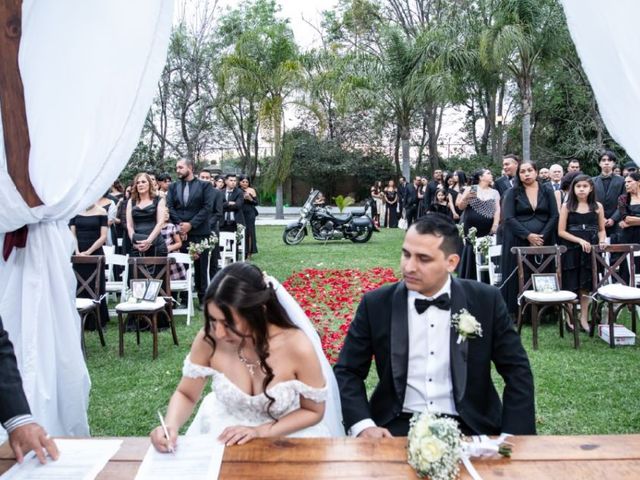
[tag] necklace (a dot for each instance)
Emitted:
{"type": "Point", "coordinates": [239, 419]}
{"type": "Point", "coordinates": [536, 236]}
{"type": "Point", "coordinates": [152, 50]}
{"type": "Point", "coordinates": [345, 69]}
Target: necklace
{"type": "Point", "coordinates": [251, 366]}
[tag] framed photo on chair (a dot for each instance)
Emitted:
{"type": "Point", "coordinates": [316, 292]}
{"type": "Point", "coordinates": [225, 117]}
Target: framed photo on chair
{"type": "Point", "coordinates": [138, 289]}
{"type": "Point", "coordinates": [153, 288]}
{"type": "Point", "coordinates": [545, 282]}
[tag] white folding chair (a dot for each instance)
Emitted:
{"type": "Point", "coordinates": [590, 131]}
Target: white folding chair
{"type": "Point", "coordinates": [482, 262]}
{"type": "Point", "coordinates": [228, 248]}
{"type": "Point", "coordinates": [241, 253]}
{"type": "Point", "coordinates": [114, 287]}
{"type": "Point", "coordinates": [186, 285]}
{"type": "Point", "coordinates": [495, 278]}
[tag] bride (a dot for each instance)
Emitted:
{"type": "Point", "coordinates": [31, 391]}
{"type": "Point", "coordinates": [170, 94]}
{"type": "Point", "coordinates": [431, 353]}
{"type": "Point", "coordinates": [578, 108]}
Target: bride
{"type": "Point", "coordinates": [269, 376]}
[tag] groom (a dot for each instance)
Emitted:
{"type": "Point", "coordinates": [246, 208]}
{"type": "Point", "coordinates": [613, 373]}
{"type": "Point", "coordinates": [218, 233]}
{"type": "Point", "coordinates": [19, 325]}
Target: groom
{"type": "Point", "coordinates": [407, 328]}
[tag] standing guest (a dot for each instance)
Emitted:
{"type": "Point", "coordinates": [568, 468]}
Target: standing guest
{"type": "Point", "coordinates": [455, 183]}
{"type": "Point", "coordinates": [90, 231]}
{"type": "Point", "coordinates": [109, 205]}
{"type": "Point", "coordinates": [574, 165]}
{"type": "Point", "coordinates": [581, 225]}
{"type": "Point", "coordinates": [629, 212]}
{"type": "Point", "coordinates": [629, 167]}
{"type": "Point", "coordinates": [205, 176]}
{"type": "Point", "coordinates": [218, 183]}
{"type": "Point", "coordinates": [555, 176]}
{"type": "Point", "coordinates": [543, 175]}
{"type": "Point", "coordinates": [25, 434]}
{"type": "Point", "coordinates": [380, 203]}
{"type": "Point", "coordinates": [145, 217]}
{"type": "Point", "coordinates": [411, 205]}
{"type": "Point", "coordinates": [608, 188]}
{"type": "Point", "coordinates": [481, 206]}
{"type": "Point", "coordinates": [530, 213]}
{"type": "Point", "coordinates": [565, 187]}
{"type": "Point", "coordinates": [232, 205]}
{"type": "Point", "coordinates": [433, 185]}
{"type": "Point", "coordinates": [171, 237]}
{"type": "Point", "coordinates": [374, 197]}
{"type": "Point", "coordinates": [190, 202]}
{"type": "Point", "coordinates": [441, 204]}
{"type": "Point", "coordinates": [164, 181]}
{"type": "Point", "coordinates": [422, 197]}
{"type": "Point", "coordinates": [391, 204]}
{"type": "Point", "coordinates": [617, 171]}
{"type": "Point", "coordinates": [402, 193]}
{"type": "Point", "coordinates": [250, 213]}
{"type": "Point", "coordinates": [510, 164]}
{"type": "Point", "coordinates": [406, 328]}
{"type": "Point", "coordinates": [117, 191]}
{"type": "Point", "coordinates": [121, 214]}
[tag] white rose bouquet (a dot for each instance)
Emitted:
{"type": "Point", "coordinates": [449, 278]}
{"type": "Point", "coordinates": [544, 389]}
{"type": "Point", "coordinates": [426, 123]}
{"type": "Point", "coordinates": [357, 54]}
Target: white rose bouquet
{"type": "Point", "coordinates": [466, 325]}
{"type": "Point", "coordinates": [434, 446]}
{"type": "Point", "coordinates": [206, 245]}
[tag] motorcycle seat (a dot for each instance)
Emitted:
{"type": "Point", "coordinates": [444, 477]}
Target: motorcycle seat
{"type": "Point", "coordinates": [342, 217]}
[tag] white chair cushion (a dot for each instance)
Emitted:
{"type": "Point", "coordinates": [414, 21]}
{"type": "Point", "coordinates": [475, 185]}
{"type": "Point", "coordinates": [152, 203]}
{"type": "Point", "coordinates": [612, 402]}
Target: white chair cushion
{"type": "Point", "coordinates": [127, 307]}
{"type": "Point", "coordinates": [559, 296]}
{"type": "Point", "coordinates": [84, 303]}
{"type": "Point", "coordinates": [179, 285]}
{"type": "Point", "coordinates": [617, 291]}
{"type": "Point", "coordinates": [113, 286]}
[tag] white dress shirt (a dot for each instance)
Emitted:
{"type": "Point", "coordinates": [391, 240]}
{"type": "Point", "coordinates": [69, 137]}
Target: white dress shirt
{"type": "Point", "coordinates": [429, 381]}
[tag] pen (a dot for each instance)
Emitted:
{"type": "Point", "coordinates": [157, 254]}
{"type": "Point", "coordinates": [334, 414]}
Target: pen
{"type": "Point", "coordinates": [164, 429]}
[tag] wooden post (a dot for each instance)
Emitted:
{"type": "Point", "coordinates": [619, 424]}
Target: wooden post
{"type": "Point", "coordinates": [14, 114]}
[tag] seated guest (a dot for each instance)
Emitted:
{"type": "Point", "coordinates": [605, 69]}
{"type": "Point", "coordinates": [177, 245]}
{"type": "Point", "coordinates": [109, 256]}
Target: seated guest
{"type": "Point", "coordinates": [530, 213]}
{"type": "Point", "coordinates": [145, 217]}
{"type": "Point", "coordinates": [407, 329]}
{"type": "Point", "coordinates": [232, 205]}
{"type": "Point", "coordinates": [25, 434]}
{"type": "Point", "coordinates": [581, 225]}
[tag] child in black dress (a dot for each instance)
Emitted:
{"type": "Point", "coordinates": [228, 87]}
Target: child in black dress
{"type": "Point", "coordinates": [581, 225]}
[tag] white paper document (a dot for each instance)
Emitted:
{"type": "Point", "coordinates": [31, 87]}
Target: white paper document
{"type": "Point", "coordinates": [196, 457]}
{"type": "Point", "coordinates": [80, 459]}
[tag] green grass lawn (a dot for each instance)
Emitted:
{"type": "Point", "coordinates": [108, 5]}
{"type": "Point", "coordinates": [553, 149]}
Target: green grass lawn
{"type": "Point", "coordinates": [588, 391]}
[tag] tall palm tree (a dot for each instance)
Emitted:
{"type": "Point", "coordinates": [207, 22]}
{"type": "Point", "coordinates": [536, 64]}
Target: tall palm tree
{"type": "Point", "coordinates": [521, 38]}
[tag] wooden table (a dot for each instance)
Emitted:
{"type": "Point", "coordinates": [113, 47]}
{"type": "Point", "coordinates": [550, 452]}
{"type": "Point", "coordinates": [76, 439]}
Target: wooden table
{"type": "Point", "coordinates": [553, 457]}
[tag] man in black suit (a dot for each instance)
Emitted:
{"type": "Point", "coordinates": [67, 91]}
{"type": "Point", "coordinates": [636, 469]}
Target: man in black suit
{"type": "Point", "coordinates": [190, 202]}
{"type": "Point", "coordinates": [421, 363]}
{"type": "Point", "coordinates": [608, 187]}
{"type": "Point", "coordinates": [432, 188]}
{"type": "Point", "coordinates": [510, 164]}
{"type": "Point", "coordinates": [24, 434]}
{"type": "Point", "coordinates": [214, 218]}
{"type": "Point", "coordinates": [402, 195]}
{"type": "Point", "coordinates": [232, 204]}
{"type": "Point", "coordinates": [411, 201]}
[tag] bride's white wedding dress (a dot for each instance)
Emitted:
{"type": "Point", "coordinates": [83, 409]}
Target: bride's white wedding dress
{"type": "Point", "coordinates": [227, 405]}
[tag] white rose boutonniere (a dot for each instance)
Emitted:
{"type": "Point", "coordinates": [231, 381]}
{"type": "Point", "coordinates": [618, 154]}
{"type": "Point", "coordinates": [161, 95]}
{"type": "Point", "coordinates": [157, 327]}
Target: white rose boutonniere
{"type": "Point", "coordinates": [466, 325]}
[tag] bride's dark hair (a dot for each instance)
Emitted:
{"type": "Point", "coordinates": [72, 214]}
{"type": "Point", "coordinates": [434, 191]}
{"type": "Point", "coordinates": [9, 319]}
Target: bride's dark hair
{"type": "Point", "coordinates": [242, 286]}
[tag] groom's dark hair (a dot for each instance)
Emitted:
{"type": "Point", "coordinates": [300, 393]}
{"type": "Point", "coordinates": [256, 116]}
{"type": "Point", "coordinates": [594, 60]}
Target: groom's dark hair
{"type": "Point", "coordinates": [440, 226]}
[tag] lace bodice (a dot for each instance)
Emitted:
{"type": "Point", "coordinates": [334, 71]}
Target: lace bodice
{"type": "Point", "coordinates": [253, 408]}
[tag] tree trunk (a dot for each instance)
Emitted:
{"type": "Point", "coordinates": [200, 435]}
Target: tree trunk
{"type": "Point", "coordinates": [434, 157]}
{"type": "Point", "coordinates": [527, 107]}
{"type": "Point", "coordinates": [277, 147]}
{"type": "Point", "coordinates": [405, 137]}
{"type": "Point", "coordinates": [497, 156]}
{"type": "Point", "coordinates": [396, 152]}
{"type": "Point", "coordinates": [279, 202]}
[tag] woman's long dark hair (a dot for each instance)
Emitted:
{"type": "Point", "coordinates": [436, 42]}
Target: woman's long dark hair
{"type": "Point", "coordinates": [242, 286]}
{"type": "Point", "coordinates": [572, 200]}
{"type": "Point", "coordinates": [475, 179]}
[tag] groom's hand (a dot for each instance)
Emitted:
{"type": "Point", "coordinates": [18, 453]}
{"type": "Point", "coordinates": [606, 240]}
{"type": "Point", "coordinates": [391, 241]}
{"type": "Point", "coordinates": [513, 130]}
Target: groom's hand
{"type": "Point", "coordinates": [375, 432]}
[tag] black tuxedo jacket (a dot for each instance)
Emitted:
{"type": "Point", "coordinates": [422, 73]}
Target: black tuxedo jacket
{"type": "Point", "coordinates": [411, 196]}
{"type": "Point", "coordinates": [502, 185]}
{"type": "Point", "coordinates": [236, 196]}
{"type": "Point", "coordinates": [380, 329]}
{"type": "Point", "coordinates": [216, 212]}
{"type": "Point", "coordinates": [12, 399]}
{"type": "Point", "coordinates": [198, 208]}
{"type": "Point", "coordinates": [609, 198]}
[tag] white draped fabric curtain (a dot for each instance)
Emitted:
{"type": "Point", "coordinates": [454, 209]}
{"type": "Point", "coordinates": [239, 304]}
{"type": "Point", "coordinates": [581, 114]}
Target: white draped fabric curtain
{"type": "Point", "coordinates": [89, 69]}
{"type": "Point", "coordinates": [607, 39]}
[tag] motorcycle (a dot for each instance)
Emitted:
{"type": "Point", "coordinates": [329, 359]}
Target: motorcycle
{"type": "Point", "coordinates": [356, 226]}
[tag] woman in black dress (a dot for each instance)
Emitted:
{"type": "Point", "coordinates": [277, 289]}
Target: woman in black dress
{"type": "Point", "coordinates": [581, 225]}
{"type": "Point", "coordinates": [530, 215]}
{"type": "Point", "coordinates": [480, 205]}
{"type": "Point", "coordinates": [422, 197]}
{"type": "Point", "coordinates": [629, 210]}
{"type": "Point", "coordinates": [456, 183]}
{"type": "Point", "coordinates": [391, 202]}
{"type": "Point", "coordinates": [145, 218]}
{"type": "Point", "coordinates": [90, 230]}
{"type": "Point", "coordinates": [250, 213]}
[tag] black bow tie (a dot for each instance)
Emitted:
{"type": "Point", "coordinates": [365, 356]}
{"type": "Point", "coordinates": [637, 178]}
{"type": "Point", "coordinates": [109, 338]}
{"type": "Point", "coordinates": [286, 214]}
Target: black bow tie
{"type": "Point", "coordinates": [443, 302]}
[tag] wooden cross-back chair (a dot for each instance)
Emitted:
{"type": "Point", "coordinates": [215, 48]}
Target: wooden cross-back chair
{"type": "Point", "coordinates": [148, 268]}
{"type": "Point", "coordinates": [549, 258]}
{"type": "Point", "coordinates": [90, 305]}
{"type": "Point", "coordinates": [611, 288]}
